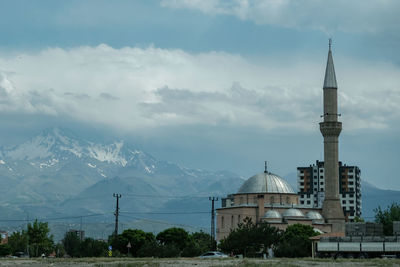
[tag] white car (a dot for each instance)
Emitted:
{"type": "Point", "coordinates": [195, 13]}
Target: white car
{"type": "Point", "coordinates": [213, 254]}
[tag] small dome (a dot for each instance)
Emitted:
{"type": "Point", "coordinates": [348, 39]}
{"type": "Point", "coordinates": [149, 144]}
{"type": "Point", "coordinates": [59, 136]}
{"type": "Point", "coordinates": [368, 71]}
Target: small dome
{"type": "Point", "coordinates": [314, 215]}
{"type": "Point", "coordinates": [293, 213]}
{"type": "Point", "coordinates": [266, 183]}
{"type": "Point", "coordinates": [272, 214]}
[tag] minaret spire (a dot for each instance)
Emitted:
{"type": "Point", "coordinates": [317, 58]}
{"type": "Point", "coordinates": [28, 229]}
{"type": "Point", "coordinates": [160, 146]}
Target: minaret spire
{"type": "Point", "coordinates": [330, 129]}
{"type": "Point", "coordinates": [330, 76]}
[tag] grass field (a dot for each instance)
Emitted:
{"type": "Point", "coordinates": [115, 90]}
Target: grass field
{"type": "Point", "coordinates": [120, 262]}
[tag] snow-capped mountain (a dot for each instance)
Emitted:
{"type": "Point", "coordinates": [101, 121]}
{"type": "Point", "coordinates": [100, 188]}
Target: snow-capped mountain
{"type": "Point", "coordinates": [55, 145]}
{"type": "Point", "coordinates": [59, 173]}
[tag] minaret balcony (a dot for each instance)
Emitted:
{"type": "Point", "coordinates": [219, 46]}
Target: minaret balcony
{"type": "Point", "coordinates": [330, 128]}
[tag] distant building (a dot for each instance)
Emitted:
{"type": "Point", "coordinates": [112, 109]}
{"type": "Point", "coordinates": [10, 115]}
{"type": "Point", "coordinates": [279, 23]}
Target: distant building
{"type": "Point", "coordinates": [4, 237]}
{"type": "Point", "coordinates": [311, 188]}
{"type": "Point", "coordinates": [79, 233]}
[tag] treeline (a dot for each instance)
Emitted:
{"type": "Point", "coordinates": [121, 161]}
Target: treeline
{"type": "Point", "coordinates": [251, 240]}
{"type": "Point", "coordinates": [172, 242]}
{"type": "Point", "coordinates": [248, 239]}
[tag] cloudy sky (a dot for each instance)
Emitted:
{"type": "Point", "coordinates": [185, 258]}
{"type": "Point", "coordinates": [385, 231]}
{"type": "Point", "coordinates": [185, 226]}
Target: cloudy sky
{"type": "Point", "coordinates": [212, 84]}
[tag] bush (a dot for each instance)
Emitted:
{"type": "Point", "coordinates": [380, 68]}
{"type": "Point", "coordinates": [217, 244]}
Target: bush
{"type": "Point", "coordinates": [5, 250]}
{"type": "Point", "coordinates": [295, 241]}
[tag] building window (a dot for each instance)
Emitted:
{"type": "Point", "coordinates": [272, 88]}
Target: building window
{"type": "Point", "coordinates": [343, 201]}
{"type": "Point", "coordinates": [287, 200]}
{"type": "Point", "coordinates": [351, 183]}
{"type": "Point", "coordinates": [301, 202]}
{"type": "Point", "coordinates": [321, 170]}
{"type": "Point", "coordinates": [351, 201]}
{"type": "Point", "coordinates": [321, 177]}
{"type": "Point", "coordinates": [222, 222]}
{"type": "Point", "coordinates": [301, 183]}
{"type": "Point", "coordinates": [272, 200]}
{"type": "Point", "coordinates": [308, 202]}
{"type": "Point", "coordinates": [322, 190]}
{"type": "Point", "coordinates": [301, 171]}
{"type": "Point", "coordinates": [232, 221]}
{"type": "Point", "coordinates": [351, 195]}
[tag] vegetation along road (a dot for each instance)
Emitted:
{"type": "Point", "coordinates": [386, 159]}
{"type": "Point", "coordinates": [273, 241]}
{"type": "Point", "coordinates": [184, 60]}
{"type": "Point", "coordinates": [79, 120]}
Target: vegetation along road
{"type": "Point", "coordinates": [302, 262]}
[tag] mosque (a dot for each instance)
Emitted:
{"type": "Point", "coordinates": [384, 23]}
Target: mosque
{"type": "Point", "coordinates": [266, 197]}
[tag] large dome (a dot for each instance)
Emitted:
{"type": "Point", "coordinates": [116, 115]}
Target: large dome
{"type": "Point", "coordinates": [265, 183]}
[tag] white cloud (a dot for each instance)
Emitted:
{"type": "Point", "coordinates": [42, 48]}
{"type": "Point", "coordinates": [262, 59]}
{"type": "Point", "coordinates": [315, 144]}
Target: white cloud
{"type": "Point", "coordinates": [329, 16]}
{"type": "Point", "coordinates": [134, 88]}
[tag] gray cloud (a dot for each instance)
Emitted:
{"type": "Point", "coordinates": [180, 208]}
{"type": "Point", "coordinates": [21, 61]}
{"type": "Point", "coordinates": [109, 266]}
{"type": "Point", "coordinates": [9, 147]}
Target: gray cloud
{"type": "Point", "coordinates": [108, 96]}
{"type": "Point", "coordinates": [159, 87]}
{"type": "Point", "coordinates": [368, 16]}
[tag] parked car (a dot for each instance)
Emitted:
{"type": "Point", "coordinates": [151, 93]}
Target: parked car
{"type": "Point", "coordinates": [213, 254]}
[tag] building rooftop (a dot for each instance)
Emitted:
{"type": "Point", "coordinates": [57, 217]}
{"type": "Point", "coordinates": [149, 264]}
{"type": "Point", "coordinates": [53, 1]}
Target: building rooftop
{"type": "Point", "coordinates": [265, 183]}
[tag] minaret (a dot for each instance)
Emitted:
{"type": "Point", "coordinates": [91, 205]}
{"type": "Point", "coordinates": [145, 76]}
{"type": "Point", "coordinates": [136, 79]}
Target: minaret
{"type": "Point", "coordinates": [330, 129]}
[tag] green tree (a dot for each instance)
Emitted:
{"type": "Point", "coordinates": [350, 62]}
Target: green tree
{"type": "Point", "coordinates": [358, 219]}
{"type": "Point", "coordinates": [387, 216]}
{"type": "Point", "coordinates": [5, 250]}
{"type": "Point", "coordinates": [136, 237]}
{"type": "Point", "coordinates": [39, 239]}
{"type": "Point", "coordinates": [59, 249]}
{"type": "Point", "coordinates": [177, 237]}
{"type": "Point", "coordinates": [18, 242]}
{"type": "Point", "coordinates": [72, 243]}
{"type": "Point", "coordinates": [295, 241]}
{"type": "Point", "coordinates": [150, 249]}
{"type": "Point", "coordinates": [249, 238]}
{"type": "Point", "coordinates": [93, 248]}
{"type": "Point", "coordinates": [202, 242]}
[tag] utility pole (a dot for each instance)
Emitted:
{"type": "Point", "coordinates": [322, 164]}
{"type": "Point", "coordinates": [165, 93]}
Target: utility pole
{"type": "Point", "coordinates": [27, 236]}
{"type": "Point", "coordinates": [118, 196]}
{"type": "Point", "coordinates": [213, 222]}
{"type": "Point", "coordinates": [80, 230]}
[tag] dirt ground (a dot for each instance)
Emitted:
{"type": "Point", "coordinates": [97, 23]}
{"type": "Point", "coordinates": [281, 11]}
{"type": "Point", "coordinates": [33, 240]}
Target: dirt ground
{"type": "Point", "coordinates": [120, 262]}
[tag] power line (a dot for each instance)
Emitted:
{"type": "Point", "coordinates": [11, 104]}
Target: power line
{"type": "Point", "coordinates": [53, 219]}
{"type": "Point", "coordinates": [166, 213]}
{"type": "Point", "coordinates": [166, 223]}
{"type": "Point", "coordinates": [136, 196]}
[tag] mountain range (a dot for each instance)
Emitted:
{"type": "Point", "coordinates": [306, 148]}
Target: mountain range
{"type": "Point", "coordinates": [57, 174]}
{"type": "Point", "coordinates": [68, 181]}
